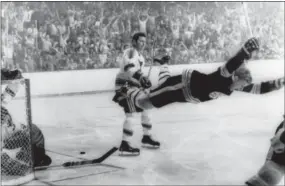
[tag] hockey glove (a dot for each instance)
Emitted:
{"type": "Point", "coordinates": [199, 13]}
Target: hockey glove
{"type": "Point", "coordinates": [250, 45]}
{"type": "Point", "coordinates": [145, 82]}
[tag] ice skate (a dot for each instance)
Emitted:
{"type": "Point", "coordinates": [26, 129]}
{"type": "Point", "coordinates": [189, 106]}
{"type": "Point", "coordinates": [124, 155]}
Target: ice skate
{"type": "Point", "coordinates": [148, 142]}
{"type": "Point", "coordinates": [126, 150]}
{"type": "Point", "coordinates": [162, 57]}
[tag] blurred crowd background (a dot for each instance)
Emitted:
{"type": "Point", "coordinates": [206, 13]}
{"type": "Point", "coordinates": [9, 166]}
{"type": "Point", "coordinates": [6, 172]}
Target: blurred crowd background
{"type": "Point", "coordinates": [57, 36]}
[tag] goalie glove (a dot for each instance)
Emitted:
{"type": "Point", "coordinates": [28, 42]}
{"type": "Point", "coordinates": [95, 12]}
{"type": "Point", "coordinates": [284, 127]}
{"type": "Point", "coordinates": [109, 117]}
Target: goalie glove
{"type": "Point", "coordinates": [11, 74]}
{"type": "Point", "coordinates": [278, 141]}
{"type": "Point", "coordinates": [250, 45]}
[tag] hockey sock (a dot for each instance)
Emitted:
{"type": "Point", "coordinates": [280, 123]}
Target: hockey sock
{"type": "Point", "coordinates": [127, 127]}
{"type": "Point", "coordinates": [146, 124]}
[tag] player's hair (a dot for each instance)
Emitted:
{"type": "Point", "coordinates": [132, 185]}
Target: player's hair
{"type": "Point", "coordinates": [137, 35]}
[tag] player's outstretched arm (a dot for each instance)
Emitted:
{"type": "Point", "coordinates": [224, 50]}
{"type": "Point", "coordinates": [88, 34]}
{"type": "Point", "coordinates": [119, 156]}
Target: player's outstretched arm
{"type": "Point", "coordinates": [264, 87]}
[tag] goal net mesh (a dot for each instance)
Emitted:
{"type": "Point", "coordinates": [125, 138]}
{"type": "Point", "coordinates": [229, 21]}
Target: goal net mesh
{"type": "Point", "coordinates": [16, 146]}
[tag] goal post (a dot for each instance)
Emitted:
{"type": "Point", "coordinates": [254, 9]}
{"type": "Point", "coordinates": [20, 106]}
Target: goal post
{"type": "Point", "coordinates": [16, 139]}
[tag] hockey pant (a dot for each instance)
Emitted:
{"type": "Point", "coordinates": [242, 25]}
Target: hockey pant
{"type": "Point", "coordinates": [129, 122]}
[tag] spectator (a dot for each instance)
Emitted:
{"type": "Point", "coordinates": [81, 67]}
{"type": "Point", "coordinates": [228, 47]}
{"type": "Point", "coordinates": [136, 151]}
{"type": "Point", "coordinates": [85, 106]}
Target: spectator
{"type": "Point", "coordinates": [97, 32]}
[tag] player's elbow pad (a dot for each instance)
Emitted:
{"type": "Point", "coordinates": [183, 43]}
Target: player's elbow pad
{"type": "Point", "coordinates": [266, 87]}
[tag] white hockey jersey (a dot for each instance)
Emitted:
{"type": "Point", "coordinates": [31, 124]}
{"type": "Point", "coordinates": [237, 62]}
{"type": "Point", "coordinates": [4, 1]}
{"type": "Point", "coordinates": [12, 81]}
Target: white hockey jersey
{"type": "Point", "coordinates": [132, 61]}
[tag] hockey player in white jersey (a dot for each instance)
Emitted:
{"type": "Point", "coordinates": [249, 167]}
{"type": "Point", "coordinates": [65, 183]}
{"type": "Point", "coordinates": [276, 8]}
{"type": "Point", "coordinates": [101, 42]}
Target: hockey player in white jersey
{"type": "Point", "coordinates": [131, 76]}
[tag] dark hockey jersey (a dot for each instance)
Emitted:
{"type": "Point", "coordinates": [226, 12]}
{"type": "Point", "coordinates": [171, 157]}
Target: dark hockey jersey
{"type": "Point", "coordinates": [206, 87]}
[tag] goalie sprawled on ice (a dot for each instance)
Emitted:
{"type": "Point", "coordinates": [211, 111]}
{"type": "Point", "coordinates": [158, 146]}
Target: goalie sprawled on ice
{"type": "Point", "coordinates": [21, 146]}
{"type": "Point", "coordinates": [273, 170]}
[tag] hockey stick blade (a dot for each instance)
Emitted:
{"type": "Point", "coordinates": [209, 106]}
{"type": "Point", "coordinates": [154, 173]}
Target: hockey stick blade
{"type": "Point", "coordinates": [97, 160]}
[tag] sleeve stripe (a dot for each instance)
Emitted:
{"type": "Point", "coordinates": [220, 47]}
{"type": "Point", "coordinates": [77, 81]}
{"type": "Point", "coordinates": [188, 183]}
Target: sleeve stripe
{"type": "Point", "coordinates": [163, 77]}
{"type": "Point", "coordinates": [128, 66]}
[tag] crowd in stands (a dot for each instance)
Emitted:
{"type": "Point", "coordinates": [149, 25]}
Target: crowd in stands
{"type": "Point", "coordinates": [57, 36]}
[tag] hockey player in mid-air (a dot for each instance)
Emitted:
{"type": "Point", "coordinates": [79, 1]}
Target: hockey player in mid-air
{"type": "Point", "coordinates": [273, 170]}
{"type": "Point", "coordinates": [193, 86]}
{"type": "Point", "coordinates": [132, 63]}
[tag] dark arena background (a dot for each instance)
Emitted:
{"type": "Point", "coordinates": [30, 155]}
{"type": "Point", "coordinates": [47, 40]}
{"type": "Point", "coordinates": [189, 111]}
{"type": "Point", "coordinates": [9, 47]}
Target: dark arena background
{"type": "Point", "coordinates": [71, 53]}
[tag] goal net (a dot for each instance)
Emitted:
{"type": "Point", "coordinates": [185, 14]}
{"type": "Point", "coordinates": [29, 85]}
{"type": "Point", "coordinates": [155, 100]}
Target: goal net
{"type": "Point", "coordinates": [16, 146]}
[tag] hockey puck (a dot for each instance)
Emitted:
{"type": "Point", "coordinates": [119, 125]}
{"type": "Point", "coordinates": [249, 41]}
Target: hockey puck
{"type": "Point", "coordinates": [82, 152]}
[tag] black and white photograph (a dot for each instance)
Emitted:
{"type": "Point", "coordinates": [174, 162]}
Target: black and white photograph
{"type": "Point", "coordinates": [142, 93]}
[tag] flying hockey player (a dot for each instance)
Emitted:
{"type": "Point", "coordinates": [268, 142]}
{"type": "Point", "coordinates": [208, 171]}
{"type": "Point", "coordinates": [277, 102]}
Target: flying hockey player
{"type": "Point", "coordinates": [130, 74]}
{"type": "Point", "coordinates": [273, 170]}
{"type": "Point", "coordinates": [20, 145]}
{"type": "Point", "coordinates": [193, 86]}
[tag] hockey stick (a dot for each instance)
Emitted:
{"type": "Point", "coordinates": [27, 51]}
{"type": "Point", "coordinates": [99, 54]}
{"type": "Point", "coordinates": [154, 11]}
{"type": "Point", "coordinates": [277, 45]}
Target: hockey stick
{"type": "Point", "coordinates": [96, 160]}
{"type": "Point", "coordinates": [83, 162]}
{"type": "Point", "coordinates": [151, 65]}
{"type": "Point", "coordinates": [247, 18]}
{"type": "Point", "coordinates": [42, 168]}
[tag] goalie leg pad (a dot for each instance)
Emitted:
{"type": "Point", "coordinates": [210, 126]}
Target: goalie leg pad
{"type": "Point", "coordinates": [269, 174]}
{"type": "Point", "coordinates": [256, 181]}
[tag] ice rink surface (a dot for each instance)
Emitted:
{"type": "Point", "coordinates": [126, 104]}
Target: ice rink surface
{"type": "Point", "coordinates": [221, 142]}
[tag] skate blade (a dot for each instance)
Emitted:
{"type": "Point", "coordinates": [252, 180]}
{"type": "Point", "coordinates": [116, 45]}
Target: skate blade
{"type": "Point", "coordinates": [147, 146]}
{"type": "Point", "coordinates": [127, 154]}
